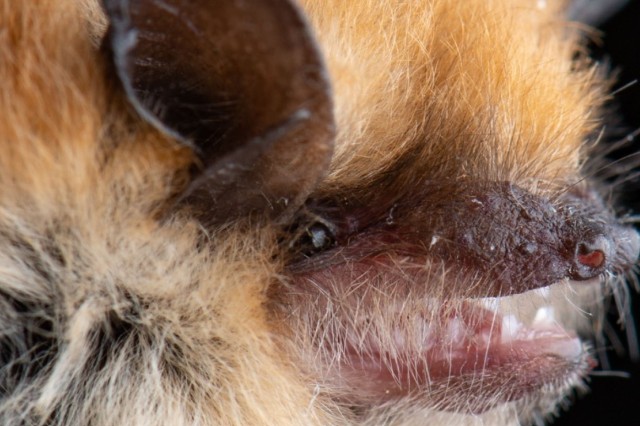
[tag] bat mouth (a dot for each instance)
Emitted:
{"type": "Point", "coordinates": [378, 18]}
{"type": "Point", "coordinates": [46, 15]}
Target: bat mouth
{"type": "Point", "coordinates": [464, 355]}
{"type": "Point", "coordinates": [479, 349]}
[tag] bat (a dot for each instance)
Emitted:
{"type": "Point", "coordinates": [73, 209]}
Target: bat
{"type": "Point", "coordinates": [279, 212]}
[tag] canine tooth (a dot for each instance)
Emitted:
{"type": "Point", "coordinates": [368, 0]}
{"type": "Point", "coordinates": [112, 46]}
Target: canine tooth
{"type": "Point", "coordinates": [398, 339]}
{"type": "Point", "coordinates": [456, 330]}
{"type": "Point", "coordinates": [353, 338]}
{"type": "Point", "coordinates": [491, 303]}
{"type": "Point", "coordinates": [544, 316]}
{"type": "Point", "coordinates": [423, 333]}
{"type": "Point", "coordinates": [510, 328]}
{"type": "Point", "coordinates": [543, 291]}
{"type": "Point", "coordinates": [571, 349]}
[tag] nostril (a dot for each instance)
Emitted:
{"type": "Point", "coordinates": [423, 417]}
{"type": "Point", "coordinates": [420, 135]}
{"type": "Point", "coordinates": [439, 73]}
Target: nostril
{"type": "Point", "coordinates": [590, 258]}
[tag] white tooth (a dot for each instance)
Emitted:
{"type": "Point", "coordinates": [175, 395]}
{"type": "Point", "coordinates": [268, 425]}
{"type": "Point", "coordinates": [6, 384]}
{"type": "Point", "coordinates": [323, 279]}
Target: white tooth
{"type": "Point", "coordinates": [543, 292]}
{"type": "Point", "coordinates": [571, 349]}
{"type": "Point", "coordinates": [544, 316]}
{"type": "Point", "coordinates": [419, 327]}
{"type": "Point", "coordinates": [353, 338]}
{"type": "Point", "coordinates": [425, 331]}
{"type": "Point", "coordinates": [424, 334]}
{"type": "Point", "coordinates": [510, 328]}
{"type": "Point", "coordinates": [456, 331]}
{"type": "Point", "coordinates": [491, 303]}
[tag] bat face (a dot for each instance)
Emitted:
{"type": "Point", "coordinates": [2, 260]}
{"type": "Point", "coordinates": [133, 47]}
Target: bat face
{"type": "Point", "coordinates": [466, 235]}
{"type": "Point", "coordinates": [318, 213]}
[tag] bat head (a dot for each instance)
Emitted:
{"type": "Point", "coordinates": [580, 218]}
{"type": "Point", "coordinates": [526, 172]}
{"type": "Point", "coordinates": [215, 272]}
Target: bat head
{"type": "Point", "coordinates": [298, 213]}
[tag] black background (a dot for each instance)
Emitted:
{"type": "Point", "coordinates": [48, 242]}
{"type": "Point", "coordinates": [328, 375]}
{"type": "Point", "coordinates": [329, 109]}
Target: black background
{"type": "Point", "coordinates": [616, 400]}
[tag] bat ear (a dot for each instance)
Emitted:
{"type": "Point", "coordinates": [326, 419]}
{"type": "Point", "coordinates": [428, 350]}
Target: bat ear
{"type": "Point", "coordinates": [242, 83]}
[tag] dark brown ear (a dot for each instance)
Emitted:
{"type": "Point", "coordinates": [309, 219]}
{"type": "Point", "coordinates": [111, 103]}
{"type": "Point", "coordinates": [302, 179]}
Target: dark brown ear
{"type": "Point", "coordinates": [242, 83]}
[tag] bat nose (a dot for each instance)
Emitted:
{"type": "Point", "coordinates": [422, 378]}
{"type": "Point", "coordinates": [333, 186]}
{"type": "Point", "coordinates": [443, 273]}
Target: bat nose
{"type": "Point", "coordinates": [591, 257]}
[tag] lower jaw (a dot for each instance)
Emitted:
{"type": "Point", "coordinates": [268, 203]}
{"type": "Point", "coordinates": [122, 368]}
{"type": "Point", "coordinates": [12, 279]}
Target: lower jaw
{"type": "Point", "coordinates": [472, 388]}
{"type": "Point", "coordinates": [472, 375]}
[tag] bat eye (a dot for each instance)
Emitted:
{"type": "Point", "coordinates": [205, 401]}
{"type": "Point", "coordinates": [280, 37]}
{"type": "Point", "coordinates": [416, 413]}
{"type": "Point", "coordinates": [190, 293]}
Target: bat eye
{"type": "Point", "coordinates": [320, 236]}
{"type": "Point", "coordinates": [316, 238]}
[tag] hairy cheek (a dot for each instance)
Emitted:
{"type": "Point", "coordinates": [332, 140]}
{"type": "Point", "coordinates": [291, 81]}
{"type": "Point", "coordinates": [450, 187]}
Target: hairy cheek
{"type": "Point", "coordinates": [380, 339]}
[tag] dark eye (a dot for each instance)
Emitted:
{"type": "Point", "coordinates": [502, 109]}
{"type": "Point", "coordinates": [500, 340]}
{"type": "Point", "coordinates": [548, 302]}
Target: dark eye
{"type": "Point", "coordinates": [314, 239]}
{"type": "Point", "coordinates": [321, 237]}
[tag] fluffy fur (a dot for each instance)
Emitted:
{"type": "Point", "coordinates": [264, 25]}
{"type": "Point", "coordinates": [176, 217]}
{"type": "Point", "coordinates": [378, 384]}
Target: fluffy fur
{"type": "Point", "coordinates": [113, 313]}
{"type": "Point", "coordinates": [469, 79]}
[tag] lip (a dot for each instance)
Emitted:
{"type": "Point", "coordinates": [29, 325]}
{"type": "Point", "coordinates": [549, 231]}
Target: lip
{"type": "Point", "coordinates": [470, 347]}
{"type": "Point", "coordinates": [490, 351]}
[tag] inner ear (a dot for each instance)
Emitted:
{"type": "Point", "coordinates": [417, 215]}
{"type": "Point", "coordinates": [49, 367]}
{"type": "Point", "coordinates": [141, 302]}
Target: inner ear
{"type": "Point", "coordinates": [242, 83]}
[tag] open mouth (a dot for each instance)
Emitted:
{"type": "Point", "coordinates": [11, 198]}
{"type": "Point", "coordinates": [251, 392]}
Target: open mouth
{"type": "Point", "coordinates": [488, 350]}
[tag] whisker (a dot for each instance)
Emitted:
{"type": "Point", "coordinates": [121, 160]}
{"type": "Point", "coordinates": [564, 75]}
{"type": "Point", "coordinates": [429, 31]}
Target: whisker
{"type": "Point", "coordinates": [610, 373]}
{"type": "Point", "coordinates": [625, 87]}
{"type": "Point", "coordinates": [624, 179]}
{"type": "Point", "coordinates": [610, 165]}
{"type": "Point", "coordinates": [631, 219]}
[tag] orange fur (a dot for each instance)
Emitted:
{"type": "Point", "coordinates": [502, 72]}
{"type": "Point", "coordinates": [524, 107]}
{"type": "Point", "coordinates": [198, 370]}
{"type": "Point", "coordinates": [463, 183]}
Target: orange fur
{"type": "Point", "coordinates": [469, 79]}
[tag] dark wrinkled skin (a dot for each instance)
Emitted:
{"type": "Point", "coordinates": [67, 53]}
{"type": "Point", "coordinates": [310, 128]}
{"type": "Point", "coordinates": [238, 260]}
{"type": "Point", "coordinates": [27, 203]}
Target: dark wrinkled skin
{"type": "Point", "coordinates": [539, 241]}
